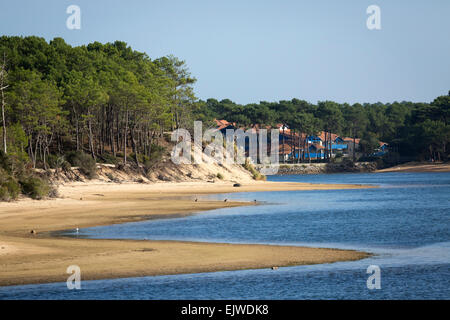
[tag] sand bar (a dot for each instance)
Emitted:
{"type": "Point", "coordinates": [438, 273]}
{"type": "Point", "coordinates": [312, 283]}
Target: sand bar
{"type": "Point", "coordinates": [419, 167]}
{"type": "Point", "coordinates": [42, 258]}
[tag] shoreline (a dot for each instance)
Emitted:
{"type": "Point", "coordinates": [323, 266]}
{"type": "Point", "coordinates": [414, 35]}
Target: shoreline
{"type": "Point", "coordinates": [43, 258]}
{"type": "Point", "coordinates": [418, 167]}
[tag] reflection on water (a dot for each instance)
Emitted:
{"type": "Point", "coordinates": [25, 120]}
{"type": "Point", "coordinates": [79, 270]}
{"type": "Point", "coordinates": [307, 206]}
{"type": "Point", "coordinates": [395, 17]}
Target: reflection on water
{"type": "Point", "coordinates": [405, 223]}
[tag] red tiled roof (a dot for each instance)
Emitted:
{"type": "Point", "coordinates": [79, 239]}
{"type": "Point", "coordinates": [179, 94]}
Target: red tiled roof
{"type": "Point", "coordinates": [318, 146]}
{"type": "Point", "coordinates": [351, 140]}
{"type": "Point", "coordinates": [295, 134]}
{"type": "Point", "coordinates": [322, 136]}
{"type": "Point", "coordinates": [222, 124]}
{"type": "Point", "coordinates": [284, 148]}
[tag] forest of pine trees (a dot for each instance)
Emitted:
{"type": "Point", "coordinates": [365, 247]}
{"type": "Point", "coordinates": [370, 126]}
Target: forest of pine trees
{"type": "Point", "coordinates": [109, 103]}
{"type": "Point", "coordinates": [96, 98]}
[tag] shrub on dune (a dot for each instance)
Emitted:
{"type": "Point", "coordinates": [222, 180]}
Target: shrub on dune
{"type": "Point", "coordinates": [34, 187]}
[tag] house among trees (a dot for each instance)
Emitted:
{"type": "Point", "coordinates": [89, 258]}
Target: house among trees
{"type": "Point", "coordinates": [301, 147]}
{"type": "Point", "coordinates": [352, 144]}
{"type": "Point", "coordinates": [382, 149]}
{"type": "Point", "coordinates": [315, 147]}
{"type": "Point", "coordinates": [223, 125]}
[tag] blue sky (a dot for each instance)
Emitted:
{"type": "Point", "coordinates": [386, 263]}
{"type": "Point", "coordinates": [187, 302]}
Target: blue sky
{"type": "Point", "coordinates": [268, 50]}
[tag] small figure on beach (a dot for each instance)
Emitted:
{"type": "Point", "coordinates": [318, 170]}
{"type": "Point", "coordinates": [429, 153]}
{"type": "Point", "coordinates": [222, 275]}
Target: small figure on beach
{"type": "Point", "coordinates": [33, 232]}
{"type": "Point", "coordinates": [225, 200]}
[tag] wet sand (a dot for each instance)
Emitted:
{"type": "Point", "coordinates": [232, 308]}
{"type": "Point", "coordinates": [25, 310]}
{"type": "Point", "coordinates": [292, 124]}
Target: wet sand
{"type": "Point", "coordinates": [41, 258]}
{"type": "Point", "coordinates": [419, 167]}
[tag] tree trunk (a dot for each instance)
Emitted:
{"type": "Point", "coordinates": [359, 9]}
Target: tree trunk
{"type": "Point", "coordinates": [284, 157]}
{"type": "Point", "coordinates": [134, 147]}
{"type": "Point", "coordinates": [117, 132]}
{"type": "Point", "coordinates": [91, 138]}
{"type": "Point", "coordinates": [309, 153]}
{"type": "Point", "coordinates": [111, 137]}
{"type": "Point", "coordinates": [2, 88]}
{"type": "Point", "coordinates": [125, 138]}
{"type": "Point", "coordinates": [35, 152]}
{"type": "Point", "coordinates": [77, 128]}
{"type": "Point", "coordinates": [5, 150]}
{"type": "Point", "coordinates": [44, 158]}
{"type": "Point", "coordinates": [330, 150]}
{"type": "Point", "coordinates": [293, 145]}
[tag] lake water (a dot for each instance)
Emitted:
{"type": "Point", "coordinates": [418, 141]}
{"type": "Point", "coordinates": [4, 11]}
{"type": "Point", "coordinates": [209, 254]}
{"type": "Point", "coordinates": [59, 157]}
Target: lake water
{"type": "Point", "coordinates": [405, 223]}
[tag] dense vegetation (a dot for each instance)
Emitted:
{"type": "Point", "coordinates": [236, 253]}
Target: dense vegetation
{"type": "Point", "coordinates": [95, 98]}
{"type": "Point", "coordinates": [65, 106]}
{"type": "Point", "coordinates": [60, 102]}
{"type": "Point", "coordinates": [412, 130]}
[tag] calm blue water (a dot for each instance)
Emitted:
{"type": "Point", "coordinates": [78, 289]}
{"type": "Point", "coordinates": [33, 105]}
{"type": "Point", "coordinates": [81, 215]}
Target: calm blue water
{"type": "Point", "coordinates": [405, 222]}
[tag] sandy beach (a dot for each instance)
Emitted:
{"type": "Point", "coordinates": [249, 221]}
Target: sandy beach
{"type": "Point", "coordinates": [419, 167]}
{"type": "Point", "coordinates": [42, 258]}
